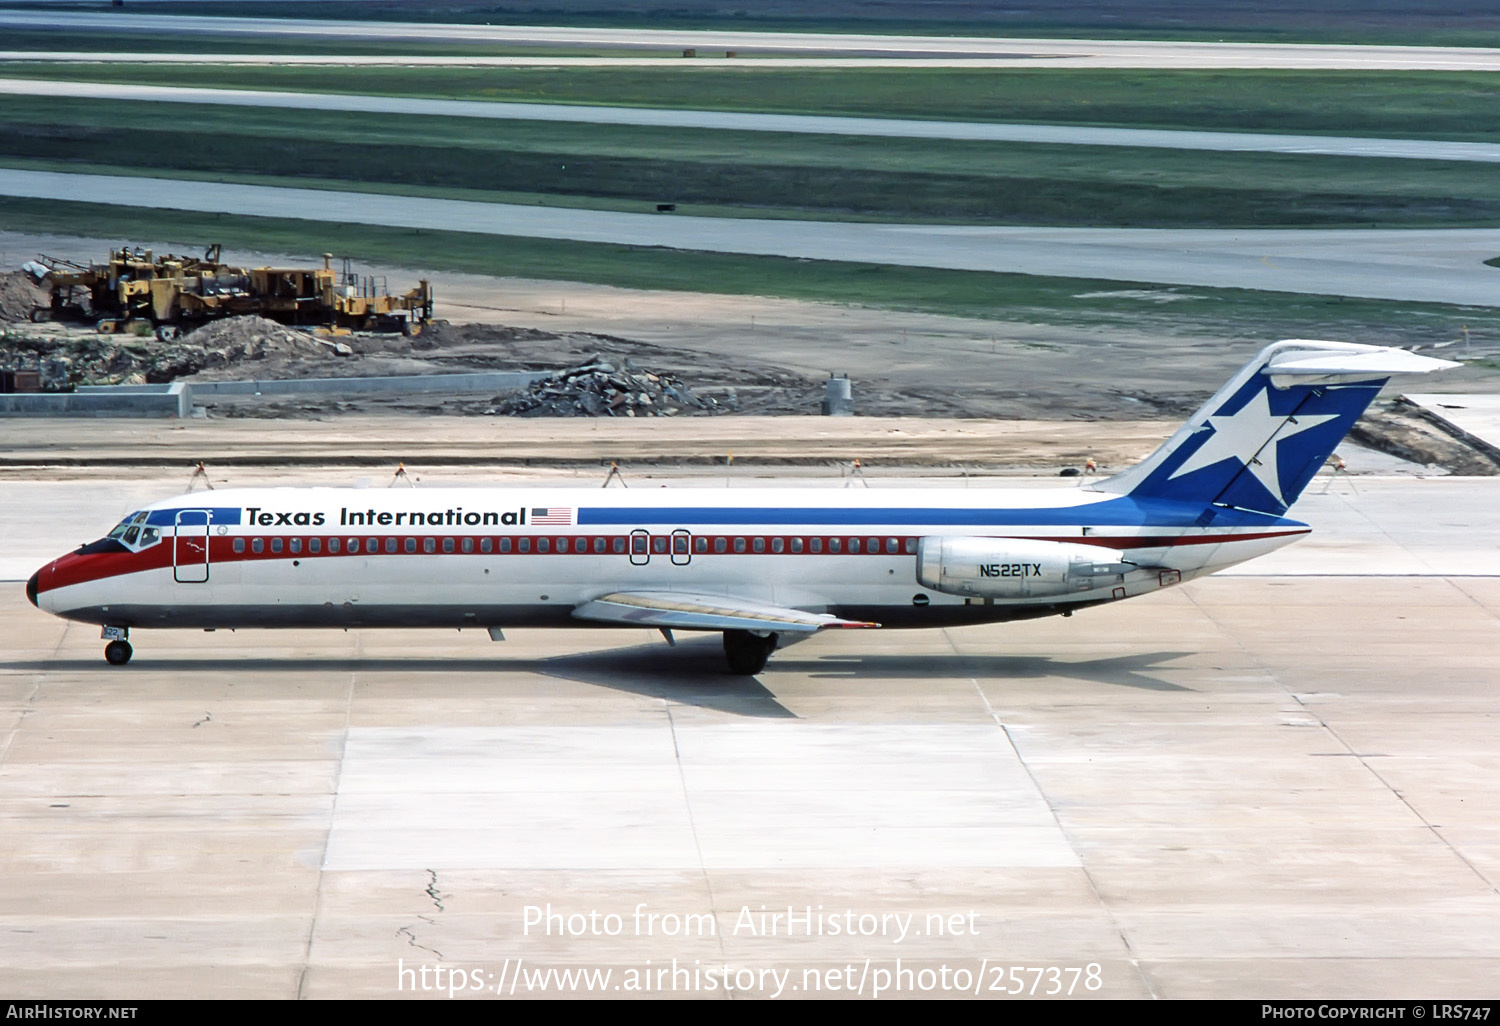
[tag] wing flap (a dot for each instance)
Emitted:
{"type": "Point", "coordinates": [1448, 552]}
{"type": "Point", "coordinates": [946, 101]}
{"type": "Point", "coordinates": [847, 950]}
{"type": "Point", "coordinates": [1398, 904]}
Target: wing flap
{"type": "Point", "coordinates": [688, 611]}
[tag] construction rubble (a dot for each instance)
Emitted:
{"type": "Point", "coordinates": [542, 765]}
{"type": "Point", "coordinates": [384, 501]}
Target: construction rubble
{"type": "Point", "coordinates": [599, 388]}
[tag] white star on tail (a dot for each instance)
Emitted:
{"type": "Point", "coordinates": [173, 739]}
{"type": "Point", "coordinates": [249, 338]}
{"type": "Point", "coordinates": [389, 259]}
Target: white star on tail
{"type": "Point", "coordinates": [1254, 429]}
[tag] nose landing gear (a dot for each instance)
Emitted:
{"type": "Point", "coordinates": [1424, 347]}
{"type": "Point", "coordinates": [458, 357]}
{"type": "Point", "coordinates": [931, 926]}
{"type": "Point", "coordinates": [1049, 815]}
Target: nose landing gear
{"type": "Point", "coordinates": [118, 651]}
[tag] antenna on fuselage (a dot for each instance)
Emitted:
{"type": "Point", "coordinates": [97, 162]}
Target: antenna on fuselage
{"type": "Point", "coordinates": [401, 476]}
{"type": "Point", "coordinates": [614, 475]}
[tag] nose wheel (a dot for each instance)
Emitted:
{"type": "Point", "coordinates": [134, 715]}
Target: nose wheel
{"type": "Point", "coordinates": [118, 653]}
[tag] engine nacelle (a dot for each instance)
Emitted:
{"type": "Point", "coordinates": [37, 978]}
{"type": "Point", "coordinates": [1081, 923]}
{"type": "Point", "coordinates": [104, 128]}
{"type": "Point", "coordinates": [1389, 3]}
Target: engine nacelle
{"type": "Point", "coordinates": [1007, 568]}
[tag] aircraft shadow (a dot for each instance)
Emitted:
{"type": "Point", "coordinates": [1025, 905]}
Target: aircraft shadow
{"type": "Point", "coordinates": [1131, 671]}
{"type": "Point", "coordinates": [692, 673]}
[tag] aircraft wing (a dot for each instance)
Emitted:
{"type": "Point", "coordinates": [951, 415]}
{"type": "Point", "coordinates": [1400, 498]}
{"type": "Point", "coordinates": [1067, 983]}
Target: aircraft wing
{"type": "Point", "coordinates": [686, 611]}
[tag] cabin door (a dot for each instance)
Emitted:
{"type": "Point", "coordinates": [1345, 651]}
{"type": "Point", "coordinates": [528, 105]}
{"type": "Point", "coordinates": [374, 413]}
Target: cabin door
{"type": "Point", "coordinates": [190, 546]}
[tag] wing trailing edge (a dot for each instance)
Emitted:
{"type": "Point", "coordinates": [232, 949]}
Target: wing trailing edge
{"type": "Point", "coordinates": [686, 611]}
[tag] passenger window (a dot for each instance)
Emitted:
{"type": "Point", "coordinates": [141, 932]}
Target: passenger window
{"type": "Point", "coordinates": [429, 544]}
{"type": "Point", "coordinates": [544, 544]}
{"type": "Point", "coordinates": [892, 546]}
{"type": "Point", "coordinates": [618, 545]}
{"type": "Point", "coordinates": [410, 545]}
{"type": "Point", "coordinates": [468, 545]}
{"type": "Point", "coordinates": [504, 545]}
{"type": "Point", "coordinates": [796, 544]}
{"type": "Point", "coordinates": [815, 544]}
{"type": "Point", "coordinates": [638, 544]}
{"type": "Point", "coordinates": [873, 548]}
{"type": "Point", "coordinates": [239, 545]}
{"type": "Point", "coordinates": [275, 544]}
{"type": "Point", "coordinates": [721, 544]}
{"type": "Point", "coordinates": [601, 544]}
{"type": "Point", "coordinates": [700, 544]}
{"type": "Point", "coordinates": [371, 545]}
{"type": "Point", "coordinates": [854, 545]}
{"type": "Point", "coordinates": [562, 545]}
{"type": "Point", "coordinates": [911, 546]}
{"type": "Point", "coordinates": [739, 545]}
{"type": "Point", "coordinates": [258, 545]}
{"type": "Point", "coordinates": [523, 544]}
{"type": "Point", "coordinates": [659, 543]}
{"type": "Point", "coordinates": [835, 545]}
{"type": "Point", "coordinates": [448, 544]}
{"type": "Point", "coordinates": [759, 545]}
{"type": "Point", "coordinates": [390, 545]}
{"type": "Point", "coordinates": [333, 546]}
{"type": "Point", "coordinates": [315, 545]}
{"type": "Point", "coordinates": [679, 544]}
{"type": "Point", "coordinates": [777, 544]}
{"type": "Point", "coordinates": [295, 546]}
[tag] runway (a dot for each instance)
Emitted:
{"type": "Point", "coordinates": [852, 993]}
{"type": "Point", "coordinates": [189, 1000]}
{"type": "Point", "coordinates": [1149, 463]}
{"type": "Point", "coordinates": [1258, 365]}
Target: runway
{"type": "Point", "coordinates": [968, 131]}
{"type": "Point", "coordinates": [1018, 52]}
{"type": "Point", "coordinates": [1419, 265]}
{"type": "Point", "coordinates": [1278, 786]}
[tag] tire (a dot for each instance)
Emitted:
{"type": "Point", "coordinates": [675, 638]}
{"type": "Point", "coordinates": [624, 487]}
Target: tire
{"type": "Point", "coordinates": [747, 653]}
{"type": "Point", "coordinates": [118, 653]}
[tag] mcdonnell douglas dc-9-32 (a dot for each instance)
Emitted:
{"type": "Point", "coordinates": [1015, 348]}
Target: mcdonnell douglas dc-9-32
{"type": "Point", "coordinates": [757, 565]}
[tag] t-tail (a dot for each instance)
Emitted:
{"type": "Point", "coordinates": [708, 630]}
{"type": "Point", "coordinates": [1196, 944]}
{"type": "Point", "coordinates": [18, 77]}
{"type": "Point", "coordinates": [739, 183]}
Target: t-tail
{"type": "Point", "coordinates": [1258, 442]}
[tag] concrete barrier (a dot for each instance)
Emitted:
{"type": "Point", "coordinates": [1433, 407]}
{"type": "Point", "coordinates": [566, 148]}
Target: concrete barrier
{"type": "Point", "coordinates": [478, 381]}
{"type": "Point", "coordinates": [176, 399]}
{"type": "Point", "coordinates": [172, 400]}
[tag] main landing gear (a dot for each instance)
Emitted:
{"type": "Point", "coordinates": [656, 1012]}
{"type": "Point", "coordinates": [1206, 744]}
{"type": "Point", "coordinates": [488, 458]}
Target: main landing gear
{"type": "Point", "coordinates": [748, 651]}
{"type": "Point", "coordinates": [118, 651]}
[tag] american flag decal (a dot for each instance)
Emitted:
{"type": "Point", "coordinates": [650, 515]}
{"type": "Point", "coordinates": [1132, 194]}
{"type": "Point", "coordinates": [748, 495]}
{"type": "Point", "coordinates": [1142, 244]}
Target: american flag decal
{"type": "Point", "coordinates": [561, 516]}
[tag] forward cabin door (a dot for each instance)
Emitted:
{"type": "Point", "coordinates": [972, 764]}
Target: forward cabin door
{"type": "Point", "coordinates": [190, 546]}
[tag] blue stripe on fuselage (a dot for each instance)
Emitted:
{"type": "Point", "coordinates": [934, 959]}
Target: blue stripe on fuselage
{"type": "Point", "coordinates": [1122, 511]}
{"type": "Point", "coordinates": [216, 515]}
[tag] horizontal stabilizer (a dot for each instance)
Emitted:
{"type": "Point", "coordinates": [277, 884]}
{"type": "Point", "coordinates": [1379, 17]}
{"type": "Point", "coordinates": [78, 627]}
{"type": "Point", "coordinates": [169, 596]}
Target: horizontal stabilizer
{"type": "Point", "coordinates": [685, 611]}
{"type": "Point", "coordinates": [1331, 365]}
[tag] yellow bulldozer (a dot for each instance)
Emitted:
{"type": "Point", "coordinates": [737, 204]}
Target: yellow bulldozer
{"type": "Point", "coordinates": [137, 290]}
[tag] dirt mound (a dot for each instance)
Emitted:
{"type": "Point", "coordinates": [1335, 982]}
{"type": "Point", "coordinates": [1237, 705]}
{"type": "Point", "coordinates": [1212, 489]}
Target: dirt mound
{"type": "Point", "coordinates": [19, 295]}
{"type": "Point", "coordinates": [254, 338]}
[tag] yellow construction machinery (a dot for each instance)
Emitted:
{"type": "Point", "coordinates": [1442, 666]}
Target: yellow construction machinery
{"type": "Point", "coordinates": [135, 288]}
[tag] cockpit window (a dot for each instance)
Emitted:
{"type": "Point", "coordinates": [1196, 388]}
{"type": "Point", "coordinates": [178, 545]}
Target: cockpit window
{"type": "Point", "coordinates": [123, 525]}
{"type": "Point", "coordinates": [133, 532]}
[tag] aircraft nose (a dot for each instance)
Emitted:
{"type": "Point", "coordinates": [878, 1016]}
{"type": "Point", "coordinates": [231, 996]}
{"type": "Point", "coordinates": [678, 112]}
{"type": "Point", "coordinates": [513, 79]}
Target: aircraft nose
{"type": "Point", "coordinates": [31, 586]}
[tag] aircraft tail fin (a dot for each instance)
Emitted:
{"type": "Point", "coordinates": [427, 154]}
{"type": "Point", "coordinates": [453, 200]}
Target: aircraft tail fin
{"type": "Point", "coordinates": [1258, 442]}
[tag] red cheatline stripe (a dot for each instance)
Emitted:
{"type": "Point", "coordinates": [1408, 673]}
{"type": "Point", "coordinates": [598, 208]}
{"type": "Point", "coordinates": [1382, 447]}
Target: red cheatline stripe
{"type": "Point", "coordinates": [72, 569]}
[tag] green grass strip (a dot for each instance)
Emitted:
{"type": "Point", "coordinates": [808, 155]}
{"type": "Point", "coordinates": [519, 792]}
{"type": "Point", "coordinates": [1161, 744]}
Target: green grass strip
{"type": "Point", "coordinates": [746, 174]}
{"type": "Point", "coordinates": [1034, 299]}
{"type": "Point", "coordinates": [1418, 105]}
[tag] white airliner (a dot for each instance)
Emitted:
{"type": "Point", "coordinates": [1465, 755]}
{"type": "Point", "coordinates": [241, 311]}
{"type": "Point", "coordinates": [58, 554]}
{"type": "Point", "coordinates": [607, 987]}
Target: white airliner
{"type": "Point", "coordinates": [755, 565]}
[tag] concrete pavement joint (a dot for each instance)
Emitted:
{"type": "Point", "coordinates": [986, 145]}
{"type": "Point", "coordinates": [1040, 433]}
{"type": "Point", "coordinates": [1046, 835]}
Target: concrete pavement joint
{"type": "Point", "coordinates": [1062, 828]}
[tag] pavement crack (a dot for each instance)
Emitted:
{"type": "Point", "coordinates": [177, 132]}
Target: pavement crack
{"type": "Point", "coordinates": [433, 892]}
{"type": "Point", "coordinates": [411, 940]}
